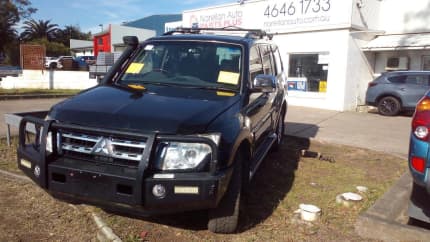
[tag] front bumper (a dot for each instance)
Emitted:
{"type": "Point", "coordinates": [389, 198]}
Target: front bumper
{"type": "Point", "coordinates": [112, 186]}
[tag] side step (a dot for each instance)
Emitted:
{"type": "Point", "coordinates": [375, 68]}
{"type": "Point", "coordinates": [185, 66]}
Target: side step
{"type": "Point", "coordinates": [261, 154]}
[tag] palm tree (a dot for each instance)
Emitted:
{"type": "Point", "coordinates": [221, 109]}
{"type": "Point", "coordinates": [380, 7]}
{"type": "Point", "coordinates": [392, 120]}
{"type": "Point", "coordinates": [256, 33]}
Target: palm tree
{"type": "Point", "coordinates": [39, 29]}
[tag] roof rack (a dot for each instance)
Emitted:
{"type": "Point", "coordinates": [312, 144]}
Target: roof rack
{"type": "Point", "coordinates": [250, 33]}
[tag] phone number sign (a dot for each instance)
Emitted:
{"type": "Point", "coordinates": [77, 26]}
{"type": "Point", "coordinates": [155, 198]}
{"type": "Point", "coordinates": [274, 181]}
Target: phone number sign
{"type": "Point", "coordinates": [288, 15]}
{"type": "Point", "coordinates": [275, 15]}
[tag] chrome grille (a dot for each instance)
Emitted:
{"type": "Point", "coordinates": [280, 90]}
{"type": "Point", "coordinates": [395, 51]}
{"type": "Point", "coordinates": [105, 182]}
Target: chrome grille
{"type": "Point", "coordinates": [117, 150]}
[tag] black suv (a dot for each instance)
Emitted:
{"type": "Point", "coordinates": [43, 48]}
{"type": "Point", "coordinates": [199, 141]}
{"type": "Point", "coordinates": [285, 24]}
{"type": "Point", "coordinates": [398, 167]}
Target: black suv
{"type": "Point", "coordinates": [180, 122]}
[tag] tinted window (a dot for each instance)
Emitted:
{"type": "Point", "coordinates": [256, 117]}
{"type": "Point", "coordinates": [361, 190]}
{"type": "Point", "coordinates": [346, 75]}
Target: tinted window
{"type": "Point", "coordinates": [267, 60]}
{"type": "Point", "coordinates": [411, 79]}
{"type": "Point", "coordinates": [421, 80]}
{"type": "Point", "coordinates": [255, 64]}
{"type": "Point", "coordinates": [278, 61]}
{"type": "Point", "coordinates": [186, 63]}
{"type": "Point", "coordinates": [397, 79]}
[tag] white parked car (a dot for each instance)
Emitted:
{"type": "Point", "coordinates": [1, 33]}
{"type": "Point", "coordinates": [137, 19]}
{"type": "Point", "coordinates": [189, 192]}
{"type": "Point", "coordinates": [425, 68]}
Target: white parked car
{"type": "Point", "coordinates": [52, 62]}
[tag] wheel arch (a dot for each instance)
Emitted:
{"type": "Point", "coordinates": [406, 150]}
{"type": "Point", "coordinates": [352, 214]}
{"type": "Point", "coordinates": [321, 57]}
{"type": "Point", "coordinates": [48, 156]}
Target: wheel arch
{"type": "Point", "coordinates": [395, 95]}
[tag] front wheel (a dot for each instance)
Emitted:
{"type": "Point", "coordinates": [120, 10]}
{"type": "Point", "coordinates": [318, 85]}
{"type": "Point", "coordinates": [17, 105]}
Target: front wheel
{"type": "Point", "coordinates": [224, 218]}
{"type": "Point", "coordinates": [279, 132]}
{"type": "Point", "coordinates": [389, 106]}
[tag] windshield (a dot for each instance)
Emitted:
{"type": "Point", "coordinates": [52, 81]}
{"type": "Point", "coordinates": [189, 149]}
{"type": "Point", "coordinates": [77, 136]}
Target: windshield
{"type": "Point", "coordinates": [188, 64]}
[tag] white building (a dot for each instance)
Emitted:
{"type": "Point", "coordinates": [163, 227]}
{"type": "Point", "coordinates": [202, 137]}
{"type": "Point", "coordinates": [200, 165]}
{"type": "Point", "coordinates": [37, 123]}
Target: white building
{"type": "Point", "coordinates": [332, 48]}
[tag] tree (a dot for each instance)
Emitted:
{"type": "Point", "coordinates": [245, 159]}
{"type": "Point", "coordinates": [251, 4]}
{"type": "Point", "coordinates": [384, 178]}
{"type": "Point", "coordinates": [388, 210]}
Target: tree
{"type": "Point", "coordinates": [52, 48]}
{"type": "Point", "coordinates": [11, 12]}
{"type": "Point", "coordinates": [39, 29]}
{"type": "Point", "coordinates": [71, 32]}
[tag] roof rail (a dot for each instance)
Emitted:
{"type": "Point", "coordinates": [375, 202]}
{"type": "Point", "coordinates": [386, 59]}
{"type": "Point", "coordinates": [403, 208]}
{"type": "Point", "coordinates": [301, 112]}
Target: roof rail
{"type": "Point", "coordinates": [250, 33]}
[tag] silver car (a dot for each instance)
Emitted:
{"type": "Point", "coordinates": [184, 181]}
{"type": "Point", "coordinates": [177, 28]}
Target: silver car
{"type": "Point", "coordinates": [397, 91]}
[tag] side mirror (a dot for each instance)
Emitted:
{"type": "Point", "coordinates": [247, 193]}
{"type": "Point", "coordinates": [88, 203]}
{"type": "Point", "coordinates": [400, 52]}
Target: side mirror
{"type": "Point", "coordinates": [132, 41]}
{"type": "Point", "coordinates": [264, 83]}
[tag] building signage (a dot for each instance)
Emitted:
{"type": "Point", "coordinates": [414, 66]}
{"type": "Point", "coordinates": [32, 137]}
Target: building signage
{"type": "Point", "coordinates": [275, 15]}
{"type": "Point", "coordinates": [297, 84]}
{"type": "Point", "coordinates": [215, 18]}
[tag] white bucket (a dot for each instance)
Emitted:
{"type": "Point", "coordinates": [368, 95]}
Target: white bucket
{"type": "Point", "coordinates": [362, 189]}
{"type": "Point", "coordinates": [350, 196]}
{"type": "Point", "coordinates": [348, 199]}
{"type": "Point", "coordinates": [309, 212]}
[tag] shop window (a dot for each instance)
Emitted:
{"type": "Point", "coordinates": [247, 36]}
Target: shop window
{"type": "Point", "coordinates": [308, 72]}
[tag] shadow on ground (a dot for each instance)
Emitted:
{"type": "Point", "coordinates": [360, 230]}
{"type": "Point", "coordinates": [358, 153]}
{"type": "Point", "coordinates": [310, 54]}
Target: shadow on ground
{"type": "Point", "coordinates": [406, 113]}
{"type": "Point", "coordinates": [303, 130]}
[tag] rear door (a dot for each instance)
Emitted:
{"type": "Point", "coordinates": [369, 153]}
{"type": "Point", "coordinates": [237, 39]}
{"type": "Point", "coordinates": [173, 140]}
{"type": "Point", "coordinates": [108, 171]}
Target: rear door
{"type": "Point", "coordinates": [416, 85]}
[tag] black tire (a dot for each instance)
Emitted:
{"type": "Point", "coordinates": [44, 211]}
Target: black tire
{"type": "Point", "coordinates": [389, 106]}
{"type": "Point", "coordinates": [279, 132]}
{"type": "Point", "coordinates": [53, 65]}
{"type": "Point", "coordinates": [224, 218]}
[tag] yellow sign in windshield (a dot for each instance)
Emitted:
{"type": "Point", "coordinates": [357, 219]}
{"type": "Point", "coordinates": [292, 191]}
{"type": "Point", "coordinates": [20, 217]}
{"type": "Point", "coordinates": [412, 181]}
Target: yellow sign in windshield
{"type": "Point", "coordinates": [228, 77]}
{"type": "Point", "coordinates": [134, 68]}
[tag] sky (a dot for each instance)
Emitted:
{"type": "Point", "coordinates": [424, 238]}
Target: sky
{"type": "Point", "coordinates": [89, 14]}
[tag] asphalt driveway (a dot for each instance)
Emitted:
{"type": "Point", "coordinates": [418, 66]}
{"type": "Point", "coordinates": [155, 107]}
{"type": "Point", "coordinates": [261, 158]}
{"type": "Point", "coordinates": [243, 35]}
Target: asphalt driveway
{"type": "Point", "coordinates": [358, 129]}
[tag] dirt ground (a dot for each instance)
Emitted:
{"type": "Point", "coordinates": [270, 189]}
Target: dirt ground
{"type": "Point", "coordinates": [27, 213]}
{"type": "Point", "coordinates": [285, 180]}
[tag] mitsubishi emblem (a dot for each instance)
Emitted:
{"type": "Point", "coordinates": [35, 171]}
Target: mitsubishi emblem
{"type": "Point", "coordinates": [103, 147]}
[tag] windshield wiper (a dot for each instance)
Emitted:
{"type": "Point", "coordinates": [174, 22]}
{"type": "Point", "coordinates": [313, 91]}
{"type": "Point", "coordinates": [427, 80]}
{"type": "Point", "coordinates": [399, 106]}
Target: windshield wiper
{"type": "Point", "coordinates": [218, 88]}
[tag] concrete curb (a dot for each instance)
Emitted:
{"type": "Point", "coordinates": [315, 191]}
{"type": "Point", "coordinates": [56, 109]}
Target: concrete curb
{"type": "Point", "coordinates": [14, 176]}
{"type": "Point", "coordinates": [104, 233]}
{"type": "Point", "coordinates": [381, 220]}
{"type": "Point", "coordinates": [32, 96]}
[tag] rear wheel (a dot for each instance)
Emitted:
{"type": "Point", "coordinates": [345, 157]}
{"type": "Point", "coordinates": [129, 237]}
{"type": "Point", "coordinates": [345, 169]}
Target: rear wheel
{"type": "Point", "coordinates": [389, 106]}
{"type": "Point", "coordinates": [224, 218]}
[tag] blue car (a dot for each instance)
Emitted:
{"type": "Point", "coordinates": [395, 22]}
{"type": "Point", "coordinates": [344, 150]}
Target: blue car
{"type": "Point", "coordinates": [419, 161]}
{"type": "Point", "coordinates": [397, 91]}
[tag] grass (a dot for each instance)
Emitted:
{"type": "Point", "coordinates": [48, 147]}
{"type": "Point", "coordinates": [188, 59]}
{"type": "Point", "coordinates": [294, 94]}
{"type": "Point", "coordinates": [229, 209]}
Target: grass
{"type": "Point", "coordinates": [283, 182]}
{"type": "Point", "coordinates": [28, 91]}
{"type": "Point", "coordinates": [8, 155]}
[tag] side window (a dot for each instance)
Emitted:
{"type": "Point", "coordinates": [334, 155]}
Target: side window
{"type": "Point", "coordinates": [397, 79]}
{"type": "Point", "coordinates": [266, 53]}
{"type": "Point", "coordinates": [421, 80]}
{"type": "Point", "coordinates": [278, 61]}
{"type": "Point", "coordinates": [255, 64]}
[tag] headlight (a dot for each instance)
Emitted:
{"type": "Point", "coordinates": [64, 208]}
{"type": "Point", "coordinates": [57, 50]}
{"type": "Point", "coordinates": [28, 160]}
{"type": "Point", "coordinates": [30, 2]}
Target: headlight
{"type": "Point", "coordinates": [49, 142]}
{"type": "Point", "coordinates": [177, 155]}
{"type": "Point", "coordinates": [180, 156]}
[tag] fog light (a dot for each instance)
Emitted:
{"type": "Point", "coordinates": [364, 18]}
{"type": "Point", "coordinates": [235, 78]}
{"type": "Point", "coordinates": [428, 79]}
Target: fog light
{"type": "Point", "coordinates": [159, 191]}
{"type": "Point", "coordinates": [37, 171]}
